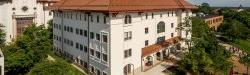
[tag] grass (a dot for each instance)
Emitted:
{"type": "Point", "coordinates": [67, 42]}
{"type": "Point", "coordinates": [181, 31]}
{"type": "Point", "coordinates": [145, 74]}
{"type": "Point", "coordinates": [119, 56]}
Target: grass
{"type": "Point", "coordinates": [243, 45]}
{"type": "Point", "coordinates": [64, 60]}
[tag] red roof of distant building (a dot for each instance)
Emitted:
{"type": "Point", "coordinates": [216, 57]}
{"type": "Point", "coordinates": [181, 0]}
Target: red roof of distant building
{"type": "Point", "coordinates": [121, 5]}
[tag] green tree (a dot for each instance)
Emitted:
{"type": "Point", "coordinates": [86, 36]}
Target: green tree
{"type": "Point", "coordinates": [204, 8]}
{"type": "Point", "coordinates": [28, 49]}
{"type": "Point", "coordinates": [205, 46]}
{"type": "Point", "coordinates": [2, 36]}
{"type": "Point", "coordinates": [234, 30]}
{"type": "Point", "coordinates": [197, 62]}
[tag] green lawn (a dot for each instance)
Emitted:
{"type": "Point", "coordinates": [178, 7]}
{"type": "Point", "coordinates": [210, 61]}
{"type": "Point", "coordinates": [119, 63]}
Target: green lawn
{"type": "Point", "coordinates": [60, 66]}
{"type": "Point", "coordinates": [243, 45]}
{"type": "Point", "coordinates": [61, 59]}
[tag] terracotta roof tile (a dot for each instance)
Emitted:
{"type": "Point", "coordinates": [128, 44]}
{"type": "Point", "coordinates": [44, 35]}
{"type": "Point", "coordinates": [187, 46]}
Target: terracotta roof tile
{"type": "Point", "coordinates": [121, 5]}
{"type": "Point", "coordinates": [157, 47]}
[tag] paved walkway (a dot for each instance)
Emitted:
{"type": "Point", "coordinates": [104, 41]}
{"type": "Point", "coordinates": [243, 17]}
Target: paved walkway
{"type": "Point", "coordinates": [156, 70]}
{"type": "Point", "coordinates": [78, 68]}
{"type": "Point", "coordinates": [50, 58]}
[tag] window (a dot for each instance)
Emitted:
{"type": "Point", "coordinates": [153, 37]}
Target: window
{"type": "Point", "coordinates": [146, 15]}
{"type": "Point", "coordinates": [97, 18]}
{"type": "Point", "coordinates": [168, 14]}
{"type": "Point", "coordinates": [172, 25]}
{"type": "Point", "coordinates": [104, 19]}
{"type": "Point", "coordinates": [172, 34]}
{"type": "Point", "coordinates": [160, 39]}
{"type": "Point", "coordinates": [85, 65]}
{"type": "Point", "coordinates": [68, 41]}
{"type": "Point", "coordinates": [81, 47]}
{"type": "Point", "coordinates": [161, 15]}
{"type": "Point", "coordinates": [77, 45]}
{"type": "Point", "coordinates": [98, 72]}
{"type": "Point", "coordinates": [81, 32]}
{"type": "Point", "coordinates": [91, 18]}
{"type": "Point", "coordinates": [103, 73]}
{"type": "Point", "coordinates": [77, 31]}
{"type": "Point", "coordinates": [146, 30]}
{"type": "Point", "coordinates": [85, 33]}
{"type": "Point", "coordinates": [97, 36]}
{"type": "Point", "coordinates": [127, 19]}
{"type": "Point", "coordinates": [71, 29]}
{"type": "Point", "coordinates": [98, 55]}
{"type": "Point", "coordinates": [146, 43]}
{"type": "Point", "coordinates": [68, 29]}
{"type": "Point", "coordinates": [76, 16]}
{"type": "Point", "coordinates": [92, 52]}
{"type": "Point", "coordinates": [161, 27]}
{"type": "Point", "coordinates": [105, 57]}
{"type": "Point", "coordinates": [71, 43]}
{"type": "Point", "coordinates": [105, 38]}
{"type": "Point", "coordinates": [128, 35]}
{"type": "Point", "coordinates": [65, 28]}
{"type": "Point", "coordinates": [80, 16]}
{"type": "Point", "coordinates": [92, 36]}
{"type": "Point", "coordinates": [152, 15]}
{"type": "Point", "coordinates": [92, 69]}
{"type": "Point", "coordinates": [85, 49]}
{"type": "Point", "coordinates": [85, 17]}
{"type": "Point", "coordinates": [60, 27]}
{"type": "Point", "coordinates": [128, 53]}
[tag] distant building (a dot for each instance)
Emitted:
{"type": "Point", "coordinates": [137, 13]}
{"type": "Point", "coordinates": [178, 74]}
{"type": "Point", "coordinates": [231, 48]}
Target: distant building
{"type": "Point", "coordinates": [1, 63]}
{"type": "Point", "coordinates": [15, 15]}
{"type": "Point", "coordinates": [119, 37]}
{"type": "Point", "coordinates": [213, 21]}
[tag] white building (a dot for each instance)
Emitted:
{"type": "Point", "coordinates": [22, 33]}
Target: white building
{"type": "Point", "coordinates": [1, 63]}
{"type": "Point", "coordinates": [118, 37]}
{"type": "Point", "coordinates": [17, 14]}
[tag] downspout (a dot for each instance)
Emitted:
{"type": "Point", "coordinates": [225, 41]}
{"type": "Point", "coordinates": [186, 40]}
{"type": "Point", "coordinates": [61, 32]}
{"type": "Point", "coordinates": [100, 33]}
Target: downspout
{"type": "Point", "coordinates": [62, 28]}
{"type": "Point", "coordinates": [88, 28]}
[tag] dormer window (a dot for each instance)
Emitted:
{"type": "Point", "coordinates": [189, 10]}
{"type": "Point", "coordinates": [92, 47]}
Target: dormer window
{"type": "Point", "coordinates": [127, 19]}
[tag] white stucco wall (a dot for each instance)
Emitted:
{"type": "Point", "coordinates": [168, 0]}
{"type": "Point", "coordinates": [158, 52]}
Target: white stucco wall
{"type": "Point", "coordinates": [8, 9]}
{"type": "Point", "coordinates": [115, 29]}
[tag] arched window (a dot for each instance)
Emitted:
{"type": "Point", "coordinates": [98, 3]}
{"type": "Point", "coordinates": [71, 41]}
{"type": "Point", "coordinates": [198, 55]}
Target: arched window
{"type": "Point", "coordinates": [128, 19]}
{"type": "Point", "coordinates": [105, 19]}
{"type": "Point", "coordinates": [161, 27]}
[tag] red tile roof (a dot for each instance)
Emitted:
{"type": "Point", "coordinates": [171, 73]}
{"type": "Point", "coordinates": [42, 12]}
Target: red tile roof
{"type": "Point", "coordinates": [48, 0]}
{"type": "Point", "coordinates": [121, 5]}
{"type": "Point", "coordinates": [157, 47]}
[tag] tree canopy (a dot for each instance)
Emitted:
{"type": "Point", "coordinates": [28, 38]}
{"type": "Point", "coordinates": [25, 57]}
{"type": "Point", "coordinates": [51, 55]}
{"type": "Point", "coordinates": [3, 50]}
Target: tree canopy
{"type": "Point", "coordinates": [204, 8]}
{"type": "Point", "coordinates": [205, 54]}
{"type": "Point", "coordinates": [28, 49]}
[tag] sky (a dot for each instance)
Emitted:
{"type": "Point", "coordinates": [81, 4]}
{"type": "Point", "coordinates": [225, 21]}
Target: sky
{"type": "Point", "coordinates": [224, 3]}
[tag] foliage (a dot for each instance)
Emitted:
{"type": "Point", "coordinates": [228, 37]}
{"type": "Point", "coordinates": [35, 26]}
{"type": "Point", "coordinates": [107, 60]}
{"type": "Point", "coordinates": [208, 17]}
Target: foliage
{"type": "Point", "coordinates": [204, 8]}
{"type": "Point", "coordinates": [234, 30]}
{"type": "Point", "coordinates": [54, 68]}
{"type": "Point", "coordinates": [28, 49]}
{"type": "Point", "coordinates": [2, 36]}
{"type": "Point", "coordinates": [245, 60]}
{"type": "Point", "coordinates": [205, 54]}
{"type": "Point", "coordinates": [196, 62]}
